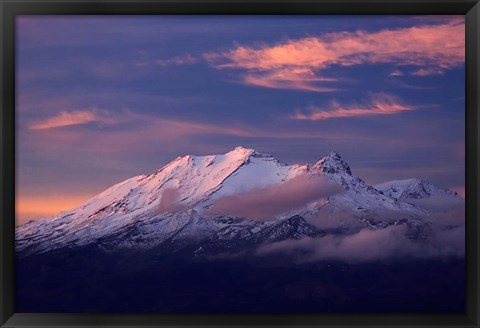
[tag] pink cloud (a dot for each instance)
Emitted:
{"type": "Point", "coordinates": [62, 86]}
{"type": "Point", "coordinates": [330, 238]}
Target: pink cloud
{"type": "Point", "coordinates": [380, 104]}
{"type": "Point", "coordinates": [159, 126]}
{"type": "Point", "coordinates": [431, 47]}
{"type": "Point", "coordinates": [295, 79]}
{"type": "Point", "coordinates": [69, 118]}
{"type": "Point", "coordinates": [268, 202]}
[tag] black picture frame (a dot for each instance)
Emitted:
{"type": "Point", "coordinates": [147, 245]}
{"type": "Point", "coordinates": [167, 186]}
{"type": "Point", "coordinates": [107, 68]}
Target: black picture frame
{"type": "Point", "coordinates": [11, 8]}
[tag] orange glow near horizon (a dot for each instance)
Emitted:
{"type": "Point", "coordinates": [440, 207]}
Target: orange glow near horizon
{"type": "Point", "coordinates": [32, 208]}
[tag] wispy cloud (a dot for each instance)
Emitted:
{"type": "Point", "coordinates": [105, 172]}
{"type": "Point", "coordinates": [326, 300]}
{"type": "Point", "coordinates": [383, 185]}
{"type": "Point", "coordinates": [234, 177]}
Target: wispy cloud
{"type": "Point", "coordinates": [298, 63]}
{"type": "Point", "coordinates": [428, 71]}
{"type": "Point", "coordinates": [398, 83]}
{"type": "Point", "coordinates": [186, 59]}
{"type": "Point", "coordinates": [396, 73]}
{"type": "Point", "coordinates": [69, 118]}
{"type": "Point", "coordinates": [290, 78]}
{"type": "Point", "coordinates": [143, 132]}
{"type": "Point", "coordinates": [179, 60]}
{"type": "Point", "coordinates": [379, 104]}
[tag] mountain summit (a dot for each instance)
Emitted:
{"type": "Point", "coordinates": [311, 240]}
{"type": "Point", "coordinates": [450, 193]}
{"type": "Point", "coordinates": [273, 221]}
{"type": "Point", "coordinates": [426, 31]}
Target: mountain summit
{"type": "Point", "coordinates": [332, 164]}
{"type": "Point", "coordinates": [197, 199]}
{"type": "Point", "coordinates": [415, 188]}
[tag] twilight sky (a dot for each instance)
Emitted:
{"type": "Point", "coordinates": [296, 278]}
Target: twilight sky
{"type": "Point", "coordinates": [101, 99]}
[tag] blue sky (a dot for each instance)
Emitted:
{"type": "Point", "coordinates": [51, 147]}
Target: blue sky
{"type": "Point", "coordinates": [101, 99]}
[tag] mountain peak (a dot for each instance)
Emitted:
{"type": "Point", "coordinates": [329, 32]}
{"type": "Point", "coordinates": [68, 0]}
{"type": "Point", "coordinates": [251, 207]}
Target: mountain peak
{"type": "Point", "coordinates": [247, 153]}
{"type": "Point", "coordinates": [334, 154]}
{"type": "Point", "coordinates": [332, 163]}
{"type": "Point", "coordinates": [413, 188]}
{"type": "Point", "coordinates": [415, 180]}
{"type": "Point", "coordinates": [241, 149]}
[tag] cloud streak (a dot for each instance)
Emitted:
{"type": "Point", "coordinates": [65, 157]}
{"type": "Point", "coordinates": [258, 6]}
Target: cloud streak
{"type": "Point", "coordinates": [177, 61]}
{"type": "Point", "coordinates": [181, 60]}
{"type": "Point", "coordinates": [70, 118]}
{"type": "Point", "coordinates": [142, 129]}
{"type": "Point", "coordinates": [428, 72]}
{"type": "Point", "coordinates": [296, 63]}
{"type": "Point", "coordinates": [294, 79]}
{"type": "Point", "coordinates": [379, 104]}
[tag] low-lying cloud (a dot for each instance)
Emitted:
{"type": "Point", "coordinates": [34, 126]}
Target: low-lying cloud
{"type": "Point", "coordinates": [445, 238]}
{"type": "Point", "coordinates": [270, 201]}
{"type": "Point", "coordinates": [169, 201]}
{"type": "Point", "coordinates": [364, 246]}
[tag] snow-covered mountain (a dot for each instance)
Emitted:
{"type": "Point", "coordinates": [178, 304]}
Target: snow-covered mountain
{"type": "Point", "coordinates": [415, 188]}
{"type": "Point", "coordinates": [176, 205]}
{"type": "Point", "coordinates": [422, 194]}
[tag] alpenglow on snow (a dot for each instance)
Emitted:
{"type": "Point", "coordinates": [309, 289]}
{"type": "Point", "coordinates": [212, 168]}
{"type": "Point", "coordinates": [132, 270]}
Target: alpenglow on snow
{"type": "Point", "coordinates": [184, 203]}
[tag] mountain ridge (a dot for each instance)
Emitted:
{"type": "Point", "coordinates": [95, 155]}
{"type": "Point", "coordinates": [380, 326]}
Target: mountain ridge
{"type": "Point", "coordinates": [174, 203]}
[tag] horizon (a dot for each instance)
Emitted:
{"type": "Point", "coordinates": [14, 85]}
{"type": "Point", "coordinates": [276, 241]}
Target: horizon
{"type": "Point", "coordinates": [102, 99]}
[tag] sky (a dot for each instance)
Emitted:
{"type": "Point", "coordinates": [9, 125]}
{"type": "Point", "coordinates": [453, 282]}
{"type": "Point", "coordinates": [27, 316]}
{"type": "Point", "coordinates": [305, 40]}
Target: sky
{"type": "Point", "coordinates": [100, 99]}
